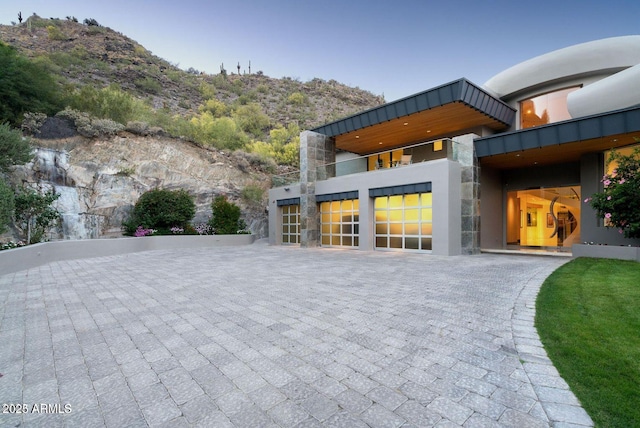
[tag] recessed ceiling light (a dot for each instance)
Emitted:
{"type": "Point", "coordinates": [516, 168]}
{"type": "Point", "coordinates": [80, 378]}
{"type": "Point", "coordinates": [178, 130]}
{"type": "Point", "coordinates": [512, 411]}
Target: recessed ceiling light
{"type": "Point", "coordinates": [428, 130]}
{"type": "Point", "coordinates": [380, 142]}
{"type": "Point", "coordinates": [406, 123]}
{"type": "Point", "coordinates": [517, 155]}
{"type": "Point", "coordinates": [357, 136]}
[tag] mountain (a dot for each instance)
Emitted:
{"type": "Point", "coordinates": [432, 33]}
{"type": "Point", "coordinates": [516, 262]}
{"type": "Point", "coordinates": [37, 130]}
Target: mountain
{"type": "Point", "coordinates": [81, 54]}
{"type": "Point", "coordinates": [101, 176]}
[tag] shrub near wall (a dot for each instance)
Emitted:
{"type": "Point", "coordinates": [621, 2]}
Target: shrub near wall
{"type": "Point", "coordinates": [160, 210]}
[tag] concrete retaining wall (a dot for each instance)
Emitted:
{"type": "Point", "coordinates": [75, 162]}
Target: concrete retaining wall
{"type": "Point", "coordinates": [38, 254]}
{"type": "Point", "coordinates": [606, 252]}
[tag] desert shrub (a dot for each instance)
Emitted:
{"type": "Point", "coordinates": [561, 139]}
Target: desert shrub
{"type": "Point", "coordinates": [55, 33]}
{"type": "Point", "coordinates": [148, 84]}
{"type": "Point", "coordinates": [160, 210]}
{"type": "Point", "coordinates": [14, 149]}
{"type": "Point", "coordinates": [90, 126]}
{"type": "Point", "coordinates": [32, 123]}
{"type": "Point", "coordinates": [246, 159]}
{"type": "Point", "coordinates": [297, 98]}
{"type": "Point", "coordinates": [225, 219]}
{"type": "Point", "coordinates": [108, 103]}
{"type": "Point", "coordinates": [252, 194]}
{"type": "Point", "coordinates": [251, 119]}
{"type": "Point", "coordinates": [90, 22]}
{"type": "Point", "coordinates": [222, 132]}
{"type": "Point", "coordinates": [215, 107]}
{"type": "Point", "coordinates": [137, 127]}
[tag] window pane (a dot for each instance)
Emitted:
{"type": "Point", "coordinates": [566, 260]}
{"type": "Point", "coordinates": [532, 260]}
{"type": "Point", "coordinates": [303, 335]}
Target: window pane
{"type": "Point", "coordinates": [395, 215]}
{"type": "Point", "coordinates": [395, 242]}
{"type": "Point", "coordinates": [381, 228]}
{"type": "Point", "coordinates": [381, 216]}
{"type": "Point", "coordinates": [411, 200]}
{"type": "Point", "coordinates": [411, 215]}
{"type": "Point", "coordinates": [395, 228]}
{"type": "Point", "coordinates": [326, 240]}
{"type": "Point", "coordinates": [426, 214]}
{"type": "Point", "coordinates": [546, 108]}
{"type": "Point", "coordinates": [380, 203]}
{"type": "Point", "coordinates": [381, 242]}
{"type": "Point", "coordinates": [426, 243]}
{"type": "Point", "coordinates": [346, 229]}
{"type": "Point", "coordinates": [395, 201]}
{"type": "Point", "coordinates": [347, 205]}
{"type": "Point", "coordinates": [411, 243]}
{"type": "Point", "coordinates": [347, 241]}
{"type": "Point", "coordinates": [285, 239]}
{"type": "Point", "coordinates": [426, 199]}
{"type": "Point", "coordinates": [411, 228]}
{"type": "Point", "coordinates": [426, 228]}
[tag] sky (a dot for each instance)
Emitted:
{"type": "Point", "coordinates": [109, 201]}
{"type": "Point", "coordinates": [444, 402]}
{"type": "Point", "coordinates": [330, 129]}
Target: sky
{"type": "Point", "coordinates": [391, 48]}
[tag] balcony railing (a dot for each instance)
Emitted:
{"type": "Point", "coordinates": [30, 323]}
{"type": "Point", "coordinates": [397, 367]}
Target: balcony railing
{"type": "Point", "coordinates": [396, 158]}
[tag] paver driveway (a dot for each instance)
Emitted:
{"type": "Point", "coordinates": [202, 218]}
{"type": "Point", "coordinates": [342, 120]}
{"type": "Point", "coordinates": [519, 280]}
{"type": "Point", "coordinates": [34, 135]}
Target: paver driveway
{"type": "Point", "coordinates": [276, 336]}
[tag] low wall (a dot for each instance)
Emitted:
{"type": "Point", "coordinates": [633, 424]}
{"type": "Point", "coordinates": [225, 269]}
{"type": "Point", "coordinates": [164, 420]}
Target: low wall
{"type": "Point", "coordinates": [31, 256]}
{"type": "Point", "coordinates": [606, 252]}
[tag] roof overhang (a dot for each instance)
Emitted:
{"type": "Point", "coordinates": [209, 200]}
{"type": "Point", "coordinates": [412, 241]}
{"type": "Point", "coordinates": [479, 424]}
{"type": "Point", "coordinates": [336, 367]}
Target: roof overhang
{"type": "Point", "coordinates": [436, 113]}
{"type": "Point", "coordinates": [559, 142]}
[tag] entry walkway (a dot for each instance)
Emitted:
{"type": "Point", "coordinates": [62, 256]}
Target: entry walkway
{"type": "Point", "coordinates": [279, 337]}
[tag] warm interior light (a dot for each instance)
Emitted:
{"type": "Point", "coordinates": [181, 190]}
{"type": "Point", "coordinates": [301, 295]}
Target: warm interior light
{"type": "Point", "coordinates": [437, 146]}
{"type": "Point", "coordinates": [406, 123]}
{"type": "Point", "coordinates": [357, 136]}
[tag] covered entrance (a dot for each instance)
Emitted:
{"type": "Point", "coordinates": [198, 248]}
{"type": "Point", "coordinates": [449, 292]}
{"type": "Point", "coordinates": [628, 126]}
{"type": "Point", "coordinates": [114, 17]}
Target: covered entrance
{"type": "Point", "coordinates": [544, 217]}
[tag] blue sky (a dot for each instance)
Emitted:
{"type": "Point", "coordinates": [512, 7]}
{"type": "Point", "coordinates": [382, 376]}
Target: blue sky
{"type": "Point", "coordinates": [391, 48]}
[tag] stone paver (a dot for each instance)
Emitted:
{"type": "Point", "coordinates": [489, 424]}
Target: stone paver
{"type": "Point", "coordinates": [279, 336]}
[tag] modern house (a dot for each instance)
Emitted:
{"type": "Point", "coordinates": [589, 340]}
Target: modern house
{"type": "Point", "coordinates": [462, 167]}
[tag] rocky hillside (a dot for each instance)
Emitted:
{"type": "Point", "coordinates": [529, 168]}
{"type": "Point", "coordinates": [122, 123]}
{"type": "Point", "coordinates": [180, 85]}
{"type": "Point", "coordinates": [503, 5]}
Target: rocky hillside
{"type": "Point", "coordinates": [100, 178]}
{"type": "Point", "coordinates": [83, 54]}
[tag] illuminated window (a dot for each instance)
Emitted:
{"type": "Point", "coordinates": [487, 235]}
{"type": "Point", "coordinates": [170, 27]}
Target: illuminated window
{"type": "Point", "coordinates": [291, 224]}
{"type": "Point", "coordinates": [611, 165]}
{"type": "Point", "coordinates": [339, 223]}
{"type": "Point", "coordinates": [546, 108]}
{"type": "Point", "coordinates": [404, 222]}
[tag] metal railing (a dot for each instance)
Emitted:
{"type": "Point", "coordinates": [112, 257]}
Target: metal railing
{"type": "Point", "coordinates": [420, 152]}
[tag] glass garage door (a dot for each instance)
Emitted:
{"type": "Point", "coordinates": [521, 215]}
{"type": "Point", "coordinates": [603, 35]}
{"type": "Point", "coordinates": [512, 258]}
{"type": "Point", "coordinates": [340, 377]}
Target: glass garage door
{"type": "Point", "coordinates": [291, 224]}
{"type": "Point", "coordinates": [404, 222]}
{"type": "Point", "coordinates": [339, 223]}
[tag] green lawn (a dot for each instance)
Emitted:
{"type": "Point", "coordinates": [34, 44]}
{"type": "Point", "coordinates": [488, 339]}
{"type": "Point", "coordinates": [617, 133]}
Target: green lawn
{"type": "Point", "coordinates": [588, 318]}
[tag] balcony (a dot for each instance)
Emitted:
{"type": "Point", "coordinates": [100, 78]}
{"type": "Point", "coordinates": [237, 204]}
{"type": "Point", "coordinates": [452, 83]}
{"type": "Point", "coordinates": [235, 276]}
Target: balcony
{"type": "Point", "coordinates": [350, 163]}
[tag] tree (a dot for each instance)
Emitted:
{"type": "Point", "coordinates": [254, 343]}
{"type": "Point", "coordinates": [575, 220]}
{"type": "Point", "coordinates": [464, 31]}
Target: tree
{"type": "Point", "coordinates": [7, 205]}
{"type": "Point", "coordinates": [619, 201]}
{"type": "Point", "coordinates": [226, 217]}
{"type": "Point", "coordinates": [24, 87]}
{"type": "Point", "coordinates": [14, 148]}
{"type": "Point", "coordinates": [161, 209]}
{"type": "Point", "coordinates": [34, 215]}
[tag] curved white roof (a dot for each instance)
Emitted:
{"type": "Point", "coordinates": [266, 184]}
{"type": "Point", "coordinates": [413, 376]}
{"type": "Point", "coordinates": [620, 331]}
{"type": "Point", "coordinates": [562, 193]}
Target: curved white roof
{"type": "Point", "coordinates": [604, 55]}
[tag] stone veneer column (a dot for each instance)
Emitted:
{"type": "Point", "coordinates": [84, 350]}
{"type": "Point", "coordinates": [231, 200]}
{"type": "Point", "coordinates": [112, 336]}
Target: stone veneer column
{"type": "Point", "coordinates": [464, 153]}
{"type": "Point", "coordinates": [316, 151]}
